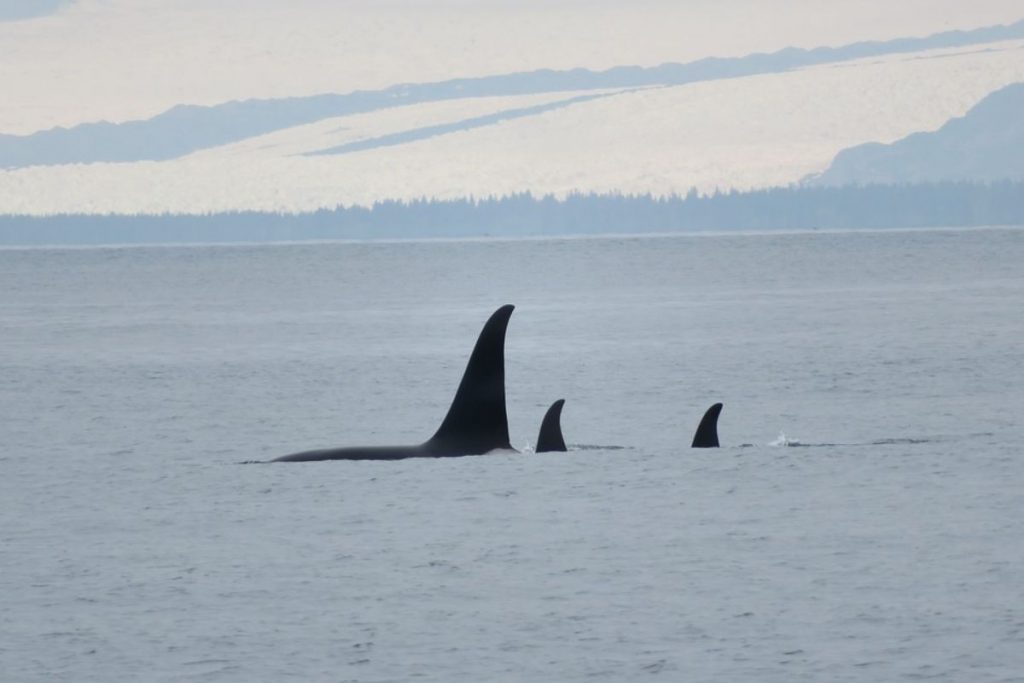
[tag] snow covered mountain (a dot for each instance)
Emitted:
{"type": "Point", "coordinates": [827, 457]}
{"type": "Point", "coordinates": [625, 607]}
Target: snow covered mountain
{"type": "Point", "coordinates": [769, 116]}
{"type": "Point", "coordinates": [986, 144]}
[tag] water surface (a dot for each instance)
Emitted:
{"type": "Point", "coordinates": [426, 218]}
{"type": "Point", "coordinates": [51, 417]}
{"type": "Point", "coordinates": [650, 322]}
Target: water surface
{"type": "Point", "coordinates": [133, 380]}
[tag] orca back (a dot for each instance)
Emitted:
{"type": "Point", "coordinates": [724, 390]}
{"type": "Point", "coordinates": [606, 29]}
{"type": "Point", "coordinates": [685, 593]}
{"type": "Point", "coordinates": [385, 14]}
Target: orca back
{"type": "Point", "coordinates": [707, 430]}
{"type": "Point", "coordinates": [477, 421]}
{"type": "Point", "coordinates": [550, 436]}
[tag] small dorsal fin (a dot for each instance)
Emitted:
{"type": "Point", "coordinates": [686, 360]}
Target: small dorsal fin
{"type": "Point", "coordinates": [550, 436]}
{"type": "Point", "coordinates": [477, 421]}
{"type": "Point", "coordinates": [707, 430]}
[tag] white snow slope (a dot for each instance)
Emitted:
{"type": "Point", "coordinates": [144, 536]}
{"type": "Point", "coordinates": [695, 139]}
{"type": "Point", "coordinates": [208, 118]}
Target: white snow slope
{"type": "Point", "coordinates": [741, 133]}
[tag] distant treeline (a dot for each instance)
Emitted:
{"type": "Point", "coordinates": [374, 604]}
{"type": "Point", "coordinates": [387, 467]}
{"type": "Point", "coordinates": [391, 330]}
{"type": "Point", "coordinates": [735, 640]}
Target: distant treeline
{"type": "Point", "coordinates": [786, 208]}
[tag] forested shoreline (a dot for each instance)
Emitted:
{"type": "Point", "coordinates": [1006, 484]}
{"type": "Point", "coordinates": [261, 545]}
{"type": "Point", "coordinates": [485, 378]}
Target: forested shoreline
{"type": "Point", "coordinates": [945, 204]}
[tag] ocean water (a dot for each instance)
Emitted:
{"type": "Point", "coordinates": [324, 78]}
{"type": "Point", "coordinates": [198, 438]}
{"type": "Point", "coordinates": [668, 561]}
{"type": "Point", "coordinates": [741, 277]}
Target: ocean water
{"type": "Point", "coordinates": [862, 521]}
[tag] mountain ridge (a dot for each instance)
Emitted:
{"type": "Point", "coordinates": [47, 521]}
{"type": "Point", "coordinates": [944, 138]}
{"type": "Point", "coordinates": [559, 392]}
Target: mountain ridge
{"type": "Point", "coordinates": [986, 144]}
{"type": "Point", "coordinates": [185, 128]}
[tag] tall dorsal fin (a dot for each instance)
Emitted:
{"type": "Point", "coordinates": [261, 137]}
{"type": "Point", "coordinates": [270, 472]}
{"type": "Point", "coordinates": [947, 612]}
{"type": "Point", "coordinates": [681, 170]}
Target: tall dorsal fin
{"type": "Point", "coordinates": [476, 421]}
{"type": "Point", "coordinates": [550, 437]}
{"type": "Point", "coordinates": [707, 430]}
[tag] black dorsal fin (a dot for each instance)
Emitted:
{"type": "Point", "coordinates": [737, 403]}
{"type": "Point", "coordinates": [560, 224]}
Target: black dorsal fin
{"type": "Point", "coordinates": [707, 430]}
{"type": "Point", "coordinates": [550, 437]}
{"type": "Point", "coordinates": [477, 422]}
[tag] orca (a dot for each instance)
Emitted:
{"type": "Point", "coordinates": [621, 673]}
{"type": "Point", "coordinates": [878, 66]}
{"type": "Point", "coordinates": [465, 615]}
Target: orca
{"type": "Point", "coordinates": [707, 430]}
{"type": "Point", "coordinates": [550, 437]}
{"type": "Point", "coordinates": [476, 422]}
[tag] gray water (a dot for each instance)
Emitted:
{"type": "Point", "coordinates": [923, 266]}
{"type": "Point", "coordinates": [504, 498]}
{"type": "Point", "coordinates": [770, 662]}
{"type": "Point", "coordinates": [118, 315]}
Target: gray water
{"type": "Point", "coordinates": [861, 522]}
